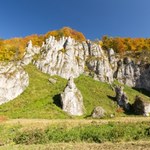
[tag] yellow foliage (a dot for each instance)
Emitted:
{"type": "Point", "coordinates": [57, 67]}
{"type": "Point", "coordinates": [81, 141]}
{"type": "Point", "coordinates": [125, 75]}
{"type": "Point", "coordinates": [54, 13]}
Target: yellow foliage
{"type": "Point", "coordinates": [66, 31]}
{"type": "Point", "coordinates": [13, 49]}
{"type": "Point", "coordinates": [125, 44]}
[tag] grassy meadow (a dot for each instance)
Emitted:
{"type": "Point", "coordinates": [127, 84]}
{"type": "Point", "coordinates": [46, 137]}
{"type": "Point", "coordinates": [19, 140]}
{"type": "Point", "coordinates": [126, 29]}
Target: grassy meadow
{"type": "Point", "coordinates": [41, 99]}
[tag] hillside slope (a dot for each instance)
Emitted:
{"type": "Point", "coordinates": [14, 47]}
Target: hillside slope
{"type": "Point", "coordinates": [41, 98]}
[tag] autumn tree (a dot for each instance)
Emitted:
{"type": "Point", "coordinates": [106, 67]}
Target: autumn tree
{"type": "Point", "coordinates": [66, 32]}
{"type": "Point", "coordinates": [122, 45]}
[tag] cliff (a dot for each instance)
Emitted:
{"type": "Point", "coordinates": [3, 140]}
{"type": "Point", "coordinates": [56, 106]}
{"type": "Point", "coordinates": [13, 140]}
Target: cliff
{"type": "Point", "coordinates": [67, 58]}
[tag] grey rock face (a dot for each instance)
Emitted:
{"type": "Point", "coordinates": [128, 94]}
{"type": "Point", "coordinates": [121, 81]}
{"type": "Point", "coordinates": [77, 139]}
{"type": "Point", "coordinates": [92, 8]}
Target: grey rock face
{"type": "Point", "coordinates": [112, 59]}
{"type": "Point", "coordinates": [141, 107]}
{"type": "Point", "coordinates": [68, 57]}
{"type": "Point", "coordinates": [30, 52]}
{"type": "Point", "coordinates": [13, 81]}
{"type": "Point", "coordinates": [98, 63]}
{"type": "Point", "coordinates": [127, 72]}
{"type": "Point", "coordinates": [144, 80]}
{"type": "Point", "coordinates": [98, 112]}
{"type": "Point", "coordinates": [72, 100]}
{"type": "Point", "coordinates": [61, 58]}
{"type": "Point", "coordinates": [121, 98]}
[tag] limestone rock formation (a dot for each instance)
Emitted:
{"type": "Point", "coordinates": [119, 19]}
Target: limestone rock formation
{"type": "Point", "coordinates": [13, 81]}
{"type": "Point", "coordinates": [68, 57]}
{"type": "Point", "coordinates": [141, 107]}
{"type": "Point", "coordinates": [144, 79]}
{"type": "Point", "coordinates": [121, 98]}
{"type": "Point", "coordinates": [29, 53]}
{"type": "Point", "coordinates": [72, 100]}
{"type": "Point", "coordinates": [127, 72]}
{"type": "Point", "coordinates": [61, 58]}
{"type": "Point", "coordinates": [98, 63]}
{"type": "Point", "coordinates": [98, 112]}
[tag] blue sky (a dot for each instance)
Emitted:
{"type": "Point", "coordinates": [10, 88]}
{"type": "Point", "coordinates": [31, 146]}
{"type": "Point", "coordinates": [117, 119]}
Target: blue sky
{"type": "Point", "coordinates": [95, 18]}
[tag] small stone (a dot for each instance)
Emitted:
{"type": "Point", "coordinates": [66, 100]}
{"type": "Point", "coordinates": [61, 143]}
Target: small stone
{"type": "Point", "coordinates": [53, 81]}
{"type": "Point", "coordinates": [112, 115]}
{"type": "Point", "coordinates": [98, 112]}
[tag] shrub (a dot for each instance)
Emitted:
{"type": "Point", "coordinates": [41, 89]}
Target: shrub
{"type": "Point", "coordinates": [31, 137]}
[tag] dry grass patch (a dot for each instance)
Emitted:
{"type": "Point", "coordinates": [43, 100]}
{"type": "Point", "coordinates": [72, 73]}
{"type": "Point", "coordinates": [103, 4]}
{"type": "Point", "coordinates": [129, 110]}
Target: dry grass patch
{"type": "Point", "coordinates": [140, 145]}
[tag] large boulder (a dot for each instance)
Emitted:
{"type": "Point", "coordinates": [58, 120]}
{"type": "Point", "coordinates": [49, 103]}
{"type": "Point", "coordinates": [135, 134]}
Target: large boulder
{"type": "Point", "coordinates": [98, 112]}
{"type": "Point", "coordinates": [13, 81]}
{"type": "Point", "coordinates": [141, 107]}
{"type": "Point", "coordinates": [121, 98]}
{"type": "Point", "coordinates": [144, 79]}
{"type": "Point", "coordinates": [72, 100]}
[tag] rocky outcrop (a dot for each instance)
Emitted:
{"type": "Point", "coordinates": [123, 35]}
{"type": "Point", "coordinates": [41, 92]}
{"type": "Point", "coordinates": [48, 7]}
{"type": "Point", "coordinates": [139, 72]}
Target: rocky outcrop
{"type": "Point", "coordinates": [69, 58]}
{"type": "Point", "coordinates": [112, 59]}
{"type": "Point", "coordinates": [98, 63]}
{"type": "Point", "coordinates": [127, 72]}
{"type": "Point", "coordinates": [13, 81]}
{"type": "Point", "coordinates": [29, 53]}
{"type": "Point", "coordinates": [141, 107]}
{"type": "Point", "coordinates": [66, 57]}
{"type": "Point", "coordinates": [98, 112]}
{"type": "Point", "coordinates": [72, 100]}
{"type": "Point", "coordinates": [121, 98]}
{"type": "Point", "coordinates": [144, 79]}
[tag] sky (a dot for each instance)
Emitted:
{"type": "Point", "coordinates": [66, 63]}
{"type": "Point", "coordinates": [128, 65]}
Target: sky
{"type": "Point", "coordinates": [94, 18]}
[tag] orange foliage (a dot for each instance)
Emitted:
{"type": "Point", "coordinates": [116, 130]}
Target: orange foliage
{"type": "Point", "coordinates": [121, 45]}
{"type": "Point", "coordinates": [119, 110]}
{"type": "Point", "coordinates": [3, 118]}
{"type": "Point", "coordinates": [13, 49]}
{"type": "Point", "coordinates": [66, 31]}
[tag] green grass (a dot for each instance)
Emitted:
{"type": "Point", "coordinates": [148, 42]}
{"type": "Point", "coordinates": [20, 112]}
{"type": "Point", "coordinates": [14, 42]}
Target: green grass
{"type": "Point", "coordinates": [112, 132]}
{"type": "Point", "coordinates": [96, 94]}
{"type": "Point", "coordinates": [92, 133]}
{"type": "Point", "coordinates": [142, 145]}
{"type": "Point", "coordinates": [37, 100]}
{"type": "Point", "coordinates": [132, 92]}
{"type": "Point", "coordinates": [41, 98]}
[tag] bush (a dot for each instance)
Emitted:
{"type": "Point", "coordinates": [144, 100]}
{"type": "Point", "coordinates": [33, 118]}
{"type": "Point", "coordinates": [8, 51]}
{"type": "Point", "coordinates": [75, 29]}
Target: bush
{"type": "Point", "coordinates": [31, 137]}
{"type": "Point", "coordinates": [112, 132]}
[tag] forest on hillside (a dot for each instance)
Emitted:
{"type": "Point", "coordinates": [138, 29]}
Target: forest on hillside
{"type": "Point", "coordinates": [13, 49]}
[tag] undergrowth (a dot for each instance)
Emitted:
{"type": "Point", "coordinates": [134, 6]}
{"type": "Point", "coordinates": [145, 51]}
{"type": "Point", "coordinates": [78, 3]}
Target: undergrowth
{"type": "Point", "coordinates": [111, 132]}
